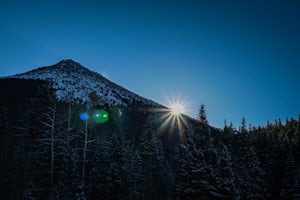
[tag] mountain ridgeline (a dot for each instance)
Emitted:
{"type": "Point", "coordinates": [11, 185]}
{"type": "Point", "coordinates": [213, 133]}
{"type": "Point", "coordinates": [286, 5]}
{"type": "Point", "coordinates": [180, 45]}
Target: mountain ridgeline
{"type": "Point", "coordinates": [72, 82]}
{"type": "Point", "coordinates": [69, 133]}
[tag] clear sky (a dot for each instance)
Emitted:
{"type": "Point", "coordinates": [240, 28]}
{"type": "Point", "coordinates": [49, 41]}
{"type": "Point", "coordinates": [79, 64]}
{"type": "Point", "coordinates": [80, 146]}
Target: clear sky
{"type": "Point", "coordinates": [239, 58]}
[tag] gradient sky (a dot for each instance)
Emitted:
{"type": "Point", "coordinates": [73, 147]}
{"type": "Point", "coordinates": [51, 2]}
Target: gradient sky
{"type": "Point", "coordinates": [239, 58]}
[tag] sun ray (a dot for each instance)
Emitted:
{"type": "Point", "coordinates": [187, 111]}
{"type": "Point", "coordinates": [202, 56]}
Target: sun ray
{"type": "Point", "coordinates": [164, 124]}
{"type": "Point", "coordinates": [172, 127]}
{"type": "Point", "coordinates": [181, 122]}
{"type": "Point", "coordinates": [184, 121]}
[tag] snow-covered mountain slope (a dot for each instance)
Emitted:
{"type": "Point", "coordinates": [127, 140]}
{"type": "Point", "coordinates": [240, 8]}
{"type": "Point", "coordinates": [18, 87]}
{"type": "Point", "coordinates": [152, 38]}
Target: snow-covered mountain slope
{"type": "Point", "coordinates": [73, 82]}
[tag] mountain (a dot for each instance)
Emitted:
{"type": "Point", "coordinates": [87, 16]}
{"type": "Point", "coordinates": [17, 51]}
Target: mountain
{"type": "Point", "coordinates": [72, 82]}
{"type": "Point", "coordinates": [69, 133]}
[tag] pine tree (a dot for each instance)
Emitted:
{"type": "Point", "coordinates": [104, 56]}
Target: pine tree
{"type": "Point", "coordinates": [250, 177]}
{"type": "Point", "coordinates": [225, 128]}
{"type": "Point", "coordinates": [165, 183]}
{"type": "Point", "coordinates": [202, 115]}
{"type": "Point", "coordinates": [135, 175]}
{"type": "Point", "coordinates": [225, 176]}
{"type": "Point", "coordinates": [22, 158]}
{"type": "Point", "coordinates": [188, 183]}
{"type": "Point", "coordinates": [100, 173]}
{"type": "Point", "coordinates": [243, 128]}
{"type": "Point", "coordinates": [255, 179]}
{"type": "Point", "coordinates": [33, 148]}
{"type": "Point", "coordinates": [159, 181]}
{"type": "Point", "coordinates": [30, 191]}
{"type": "Point", "coordinates": [196, 177]}
{"type": "Point", "coordinates": [148, 157]}
{"type": "Point", "coordinates": [288, 176]}
{"type": "Point", "coordinates": [122, 169]}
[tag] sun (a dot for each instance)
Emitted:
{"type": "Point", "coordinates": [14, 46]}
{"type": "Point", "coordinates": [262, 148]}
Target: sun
{"type": "Point", "coordinates": [172, 118]}
{"type": "Point", "coordinates": [177, 108]}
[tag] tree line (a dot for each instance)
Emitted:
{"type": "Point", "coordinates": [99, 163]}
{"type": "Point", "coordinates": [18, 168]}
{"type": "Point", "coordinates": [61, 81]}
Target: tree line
{"type": "Point", "coordinates": [49, 153]}
{"type": "Point", "coordinates": [265, 157]}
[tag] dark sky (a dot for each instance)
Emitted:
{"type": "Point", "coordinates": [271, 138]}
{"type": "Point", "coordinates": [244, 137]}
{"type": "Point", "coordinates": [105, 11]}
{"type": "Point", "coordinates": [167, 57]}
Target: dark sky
{"type": "Point", "coordinates": [239, 58]}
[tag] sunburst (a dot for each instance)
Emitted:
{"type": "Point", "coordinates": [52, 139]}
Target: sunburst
{"type": "Point", "coordinates": [173, 118]}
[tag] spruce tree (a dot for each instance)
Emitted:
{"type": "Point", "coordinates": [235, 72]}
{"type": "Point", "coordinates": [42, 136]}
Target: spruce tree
{"type": "Point", "coordinates": [202, 115]}
{"type": "Point", "coordinates": [289, 174]}
{"type": "Point", "coordinates": [225, 177]}
{"type": "Point", "coordinates": [243, 128]}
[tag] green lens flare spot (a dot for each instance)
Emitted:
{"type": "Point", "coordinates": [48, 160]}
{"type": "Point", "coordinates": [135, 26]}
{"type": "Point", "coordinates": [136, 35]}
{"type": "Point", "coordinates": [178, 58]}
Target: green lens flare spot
{"type": "Point", "coordinates": [100, 116]}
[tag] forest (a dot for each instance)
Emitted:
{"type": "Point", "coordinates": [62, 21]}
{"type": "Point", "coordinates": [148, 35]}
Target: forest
{"type": "Point", "coordinates": [49, 152]}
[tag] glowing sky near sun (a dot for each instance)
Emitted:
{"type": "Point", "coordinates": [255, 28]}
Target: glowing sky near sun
{"type": "Point", "coordinates": [177, 108]}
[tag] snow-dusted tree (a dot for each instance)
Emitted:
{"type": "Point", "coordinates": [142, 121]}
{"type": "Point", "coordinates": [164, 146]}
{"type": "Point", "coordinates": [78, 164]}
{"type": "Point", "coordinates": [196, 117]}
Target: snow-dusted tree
{"type": "Point", "coordinates": [288, 177]}
{"type": "Point", "coordinates": [31, 151]}
{"type": "Point", "coordinates": [99, 175]}
{"type": "Point", "coordinates": [30, 191]}
{"type": "Point", "coordinates": [250, 176]}
{"type": "Point", "coordinates": [68, 152]}
{"type": "Point", "coordinates": [165, 183]}
{"type": "Point", "coordinates": [116, 171]}
{"type": "Point", "coordinates": [159, 181]}
{"type": "Point", "coordinates": [148, 157]}
{"type": "Point", "coordinates": [251, 182]}
{"type": "Point", "coordinates": [21, 158]}
{"type": "Point", "coordinates": [225, 178]}
{"type": "Point", "coordinates": [135, 177]}
{"type": "Point", "coordinates": [127, 168]}
{"type": "Point", "coordinates": [255, 181]}
{"type": "Point", "coordinates": [196, 178]}
{"type": "Point", "coordinates": [49, 122]}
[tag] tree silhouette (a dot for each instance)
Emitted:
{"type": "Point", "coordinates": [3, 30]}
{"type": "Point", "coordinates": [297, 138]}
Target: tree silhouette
{"type": "Point", "coordinates": [202, 115]}
{"type": "Point", "coordinates": [243, 128]}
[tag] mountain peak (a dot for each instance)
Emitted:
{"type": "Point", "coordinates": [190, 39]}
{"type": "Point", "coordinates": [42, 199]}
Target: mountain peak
{"type": "Point", "coordinates": [72, 82]}
{"type": "Point", "coordinates": [69, 63]}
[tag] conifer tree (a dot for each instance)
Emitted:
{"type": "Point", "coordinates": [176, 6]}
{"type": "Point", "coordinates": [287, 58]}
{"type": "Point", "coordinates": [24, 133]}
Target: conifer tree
{"type": "Point", "coordinates": [225, 176]}
{"type": "Point", "coordinates": [202, 115]}
{"type": "Point", "coordinates": [289, 174]}
{"type": "Point", "coordinates": [225, 128]}
{"type": "Point", "coordinates": [243, 128]}
{"type": "Point", "coordinates": [196, 177]}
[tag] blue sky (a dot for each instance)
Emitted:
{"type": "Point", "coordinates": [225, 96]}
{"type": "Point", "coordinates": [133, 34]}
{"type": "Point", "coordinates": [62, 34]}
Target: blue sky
{"type": "Point", "coordinates": [239, 58]}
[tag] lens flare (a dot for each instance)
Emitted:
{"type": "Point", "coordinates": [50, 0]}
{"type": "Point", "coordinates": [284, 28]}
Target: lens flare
{"type": "Point", "coordinates": [84, 116]}
{"type": "Point", "coordinates": [100, 116]}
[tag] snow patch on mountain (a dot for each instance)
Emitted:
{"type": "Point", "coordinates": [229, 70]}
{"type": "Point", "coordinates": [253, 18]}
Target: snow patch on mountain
{"type": "Point", "coordinates": [73, 82]}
